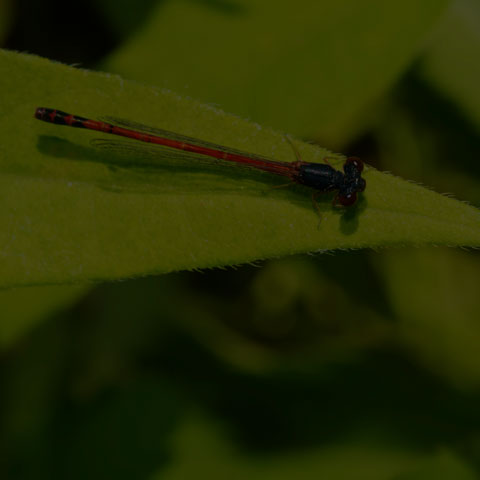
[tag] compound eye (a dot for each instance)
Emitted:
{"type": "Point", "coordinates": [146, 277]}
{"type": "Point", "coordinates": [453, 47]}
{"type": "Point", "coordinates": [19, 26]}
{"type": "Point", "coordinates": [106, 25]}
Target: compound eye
{"type": "Point", "coordinates": [347, 200]}
{"type": "Point", "coordinates": [356, 162]}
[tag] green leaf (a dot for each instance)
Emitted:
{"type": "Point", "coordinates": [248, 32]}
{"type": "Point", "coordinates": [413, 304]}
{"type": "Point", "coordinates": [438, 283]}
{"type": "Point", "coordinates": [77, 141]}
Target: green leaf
{"type": "Point", "coordinates": [450, 64]}
{"type": "Point", "coordinates": [122, 16]}
{"type": "Point", "coordinates": [24, 308]}
{"type": "Point", "coordinates": [440, 328]}
{"type": "Point", "coordinates": [71, 213]}
{"type": "Point", "coordinates": [358, 457]}
{"type": "Point", "coordinates": [312, 69]}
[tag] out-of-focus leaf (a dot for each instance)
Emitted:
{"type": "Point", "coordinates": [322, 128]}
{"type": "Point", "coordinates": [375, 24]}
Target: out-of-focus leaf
{"type": "Point", "coordinates": [202, 451]}
{"type": "Point", "coordinates": [444, 465]}
{"type": "Point", "coordinates": [125, 16]}
{"type": "Point", "coordinates": [312, 68]}
{"type": "Point", "coordinates": [452, 62]}
{"type": "Point", "coordinates": [289, 306]}
{"type": "Point", "coordinates": [23, 308]}
{"type": "Point", "coordinates": [435, 295]}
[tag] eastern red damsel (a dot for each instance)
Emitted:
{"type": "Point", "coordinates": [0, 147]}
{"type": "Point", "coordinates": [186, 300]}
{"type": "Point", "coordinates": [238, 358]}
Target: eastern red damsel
{"type": "Point", "coordinates": [319, 176]}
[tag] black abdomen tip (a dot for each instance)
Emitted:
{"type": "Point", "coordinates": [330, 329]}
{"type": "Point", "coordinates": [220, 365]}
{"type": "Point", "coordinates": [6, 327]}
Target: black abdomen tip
{"type": "Point", "coordinates": [51, 115]}
{"type": "Point", "coordinates": [42, 113]}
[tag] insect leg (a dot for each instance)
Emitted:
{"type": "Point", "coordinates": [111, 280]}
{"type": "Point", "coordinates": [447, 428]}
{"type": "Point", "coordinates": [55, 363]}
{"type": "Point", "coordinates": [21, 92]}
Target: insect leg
{"type": "Point", "coordinates": [283, 185]}
{"type": "Point", "coordinates": [295, 149]}
{"type": "Point", "coordinates": [316, 206]}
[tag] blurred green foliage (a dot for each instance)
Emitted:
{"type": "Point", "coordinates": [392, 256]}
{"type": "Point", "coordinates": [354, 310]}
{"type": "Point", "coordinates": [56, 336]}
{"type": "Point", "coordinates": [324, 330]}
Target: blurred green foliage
{"type": "Point", "coordinates": [5, 18]}
{"type": "Point", "coordinates": [346, 366]}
